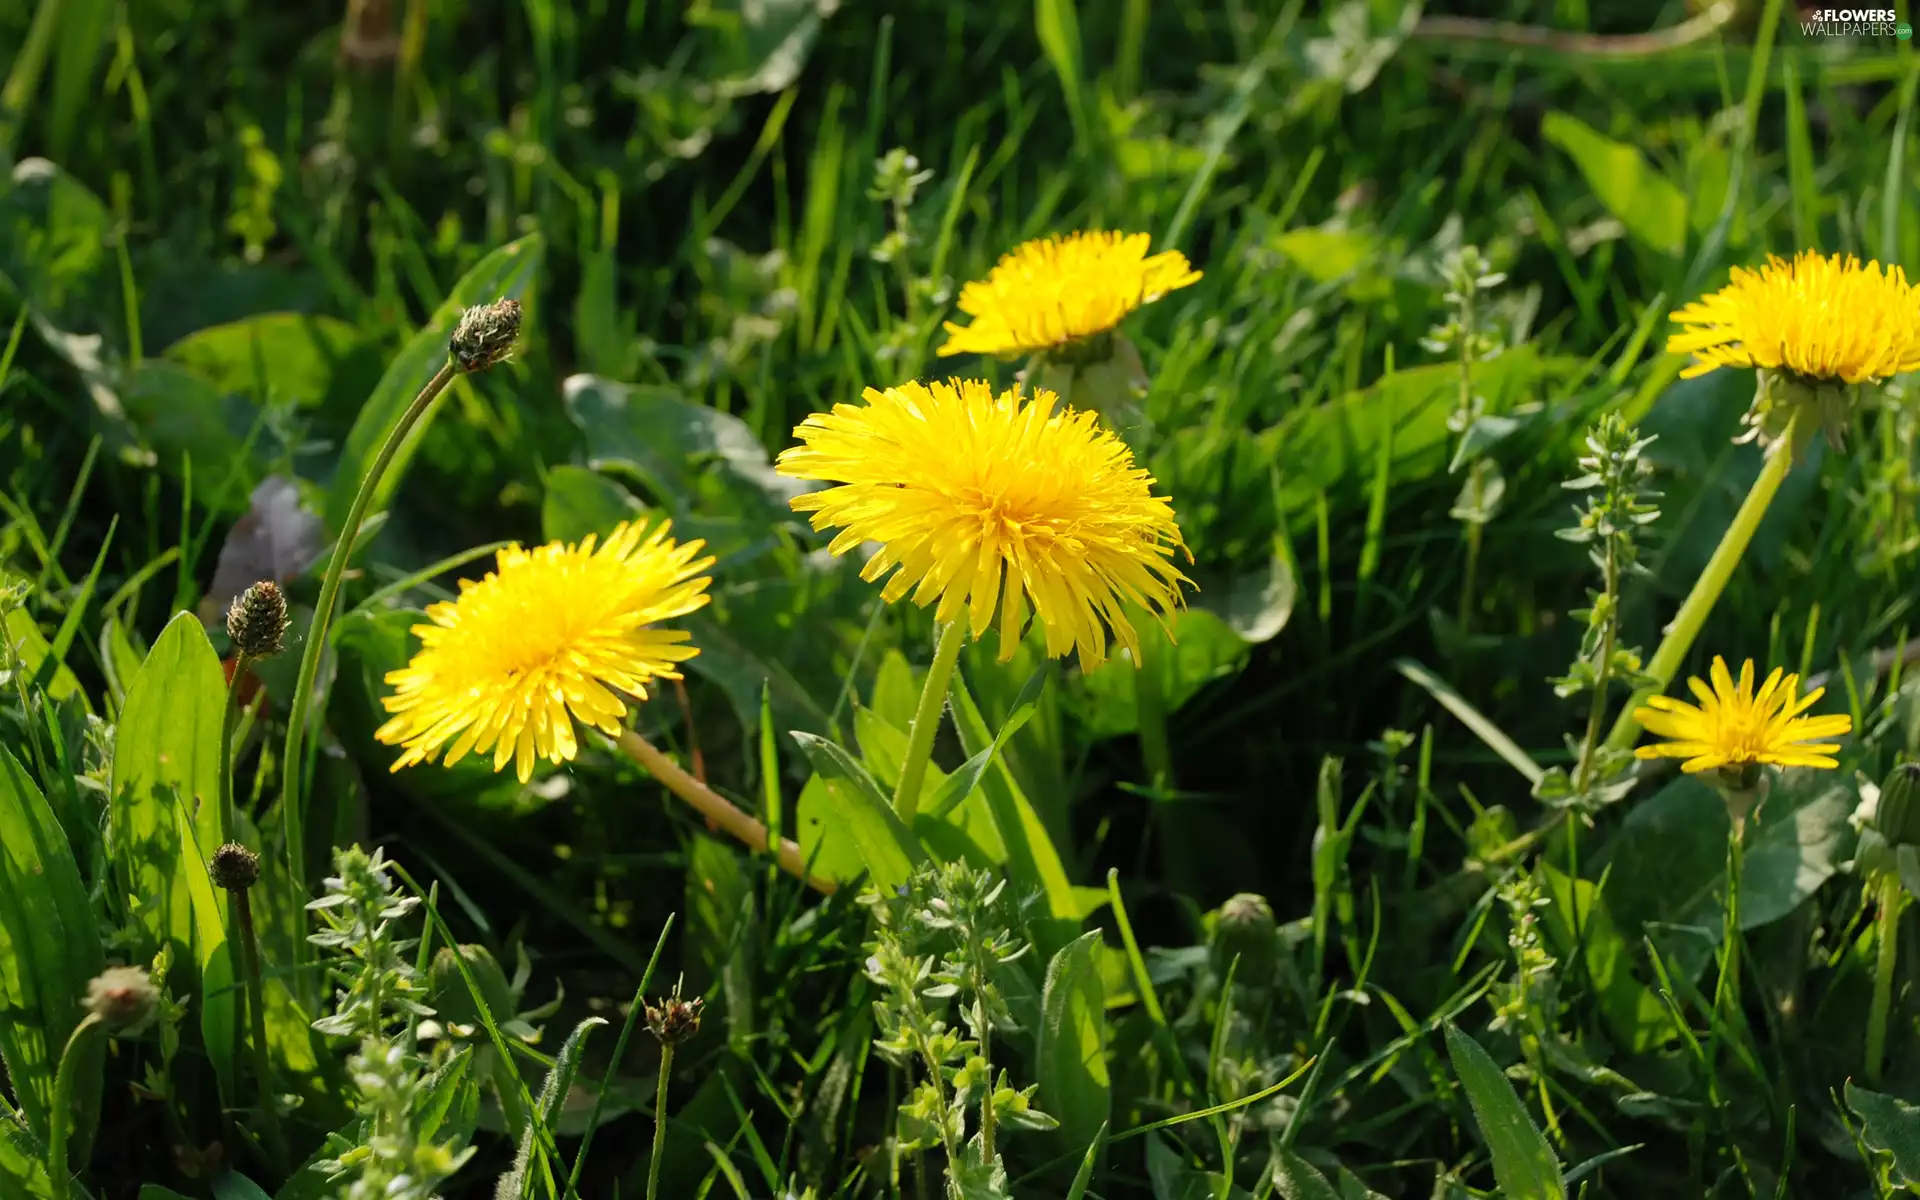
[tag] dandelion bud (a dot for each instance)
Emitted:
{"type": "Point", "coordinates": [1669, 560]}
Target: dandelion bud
{"type": "Point", "coordinates": [1243, 928]}
{"type": "Point", "coordinates": [257, 621]}
{"type": "Point", "coordinates": [234, 868]}
{"type": "Point", "coordinates": [485, 335]}
{"type": "Point", "coordinates": [124, 998]}
{"type": "Point", "coordinates": [1897, 815]}
{"type": "Point", "coordinates": [674, 1021]}
{"type": "Point", "coordinates": [451, 997]}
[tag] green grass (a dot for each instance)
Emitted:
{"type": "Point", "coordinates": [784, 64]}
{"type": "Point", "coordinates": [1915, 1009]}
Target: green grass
{"type": "Point", "coordinates": [219, 234]}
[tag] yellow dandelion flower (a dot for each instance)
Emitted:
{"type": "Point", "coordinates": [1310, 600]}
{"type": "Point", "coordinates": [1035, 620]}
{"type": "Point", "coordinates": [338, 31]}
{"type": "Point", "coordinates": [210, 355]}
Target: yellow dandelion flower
{"type": "Point", "coordinates": [991, 503]}
{"type": "Point", "coordinates": [552, 634]}
{"type": "Point", "coordinates": [1820, 317]}
{"type": "Point", "coordinates": [1736, 727]}
{"type": "Point", "coordinates": [1053, 291]}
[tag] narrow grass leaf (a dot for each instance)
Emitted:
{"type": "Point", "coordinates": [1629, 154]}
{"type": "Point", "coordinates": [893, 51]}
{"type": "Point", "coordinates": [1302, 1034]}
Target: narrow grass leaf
{"type": "Point", "coordinates": [1472, 718]}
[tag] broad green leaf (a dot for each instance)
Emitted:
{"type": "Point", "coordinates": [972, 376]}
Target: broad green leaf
{"type": "Point", "coordinates": [286, 357]}
{"type": "Point", "coordinates": [199, 432]}
{"type": "Point", "coordinates": [1297, 1179]}
{"type": "Point", "coordinates": [1638, 1018]}
{"type": "Point", "coordinates": [825, 845]}
{"type": "Point", "coordinates": [230, 1185]}
{"type": "Point", "coordinates": [22, 1168]}
{"type": "Point", "coordinates": [49, 949]}
{"type": "Point", "coordinates": [1892, 1126]}
{"type": "Point", "coordinates": [1320, 447]}
{"type": "Point", "coordinates": [579, 502]}
{"type": "Point", "coordinates": [507, 273]}
{"type": "Point", "coordinates": [1522, 1161]}
{"type": "Point", "coordinates": [153, 1191]}
{"type": "Point", "coordinates": [167, 818]}
{"type": "Point", "coordinates": [695, 458]}
{"type": "Point", "coordinates": [1669, 857]}
{"type": "Point", "coordinates": [1074, 1088]}
{"type": "Point", "coordinates": [1652, 208]}
{"type": "Point", "coordinates": [896, 689]}
{"type": "Point", "coordinates": [863, 812]}
{"type": "Point", "coordinates": [1033, 864]}
{"type": "Point", "coordinates": [449, 1109]}
{"type": "Point", "coordinates": [965, 832]}
{"type": "Point", "coordinates": [1204, 648]}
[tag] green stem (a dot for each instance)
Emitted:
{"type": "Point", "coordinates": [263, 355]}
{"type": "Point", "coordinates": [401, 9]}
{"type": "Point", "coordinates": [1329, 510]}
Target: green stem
{"type": "Point", "coordinates": [257, 1015]}
{"type": "Point", "coordinates": [61, 1119]}
{"type": "Point", "coordinates": [1706, 590]}
{"type": "Point", "coordinates": [986, 1097]}
{"type": "Point", "coordinates": [1727, 989]}
{"type": "Point", "coordinates": [1889, 898]}
{"type": "Point", "coordinates": [659, 1122]}
{"type": "Point", "coordinates": [926, 720]}
{"type": "Point", "coordinates": [1470, 579]}
{"type": "Point", "coordinates": [291, 814]}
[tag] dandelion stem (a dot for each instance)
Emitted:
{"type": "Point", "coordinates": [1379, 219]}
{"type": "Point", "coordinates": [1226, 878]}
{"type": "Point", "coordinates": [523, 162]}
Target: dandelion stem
{"type": "Point", "coordinates": [715, 807]}
{"type": "Point", "coordinates": [659, 1122]}
{"type": "Point", "coordinates": [292, 817]}
{"type": "Point", "coordinates": [1713, 580]}
{"type": "Point", "coordinates": [926, 720]}
{"type": "Point", "coordinates": [1889, 899]}
{"type": "Point", "coordinates": [60, 1122]}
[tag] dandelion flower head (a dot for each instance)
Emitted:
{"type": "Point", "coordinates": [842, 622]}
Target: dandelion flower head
{"type": "Point", "coordinates": [1821, 317]}
{"type": "Point", "coordinates": [550, 635]}
{"type": "Point", "coordinates": [1055, 291]}
{"type": "Point", "coordinates": [1736, 727]}
{"type": "Point", "coordinates": [991, 503]}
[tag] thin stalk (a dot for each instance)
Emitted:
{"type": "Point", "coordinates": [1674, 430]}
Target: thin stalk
{"type": "Point", "coordinates": [292, 815]}
{"type": "Point", "coordinates": [257, 1015]}
{"type": "Point", "coordinates": [715, 807]}
{"type": "Point", "coordinates": [60, 1122]}
{"type": "Point", "coordinates": [1470, 580]}
{"type": "Point", "coordinates": [1726, 992]}
{"type": "Point", "coordinates": [1706, 589]}
{"type": "Point", "coordinates": [986, 1095]}
{"type": "Point", "coordinates": [659, 1122]}
{"type": "Point", "coordinates": [1889, 897]}
{"type": "Point", "coordinates": [926, 720]}
{"type": "Point", "coordinates": [1597, 709]}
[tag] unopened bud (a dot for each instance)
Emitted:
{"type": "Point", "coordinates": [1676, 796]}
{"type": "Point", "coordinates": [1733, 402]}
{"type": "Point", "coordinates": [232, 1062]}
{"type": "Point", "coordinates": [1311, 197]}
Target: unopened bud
{"type": "Point", "coordinates": [674, 1020]}
{"type": "Point", "coordinates": [485, 335]}
{"type": "Point", "coordinates": [453, 1000]}
{"type": "Point", "coordinates": [1897, 815]}
{"type": "Point", "coordinates": [124, 998]}
{"type": "Point", "coordinates": [1243, 929]}
{"type": "Point", "coordinates": [234, 868]}
{"type": "Point", "coordinates": [257, 621]}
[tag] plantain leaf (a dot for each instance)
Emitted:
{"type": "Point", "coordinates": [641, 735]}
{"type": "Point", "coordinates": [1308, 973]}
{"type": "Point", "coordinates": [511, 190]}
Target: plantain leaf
{"type": "Point", "coordinates": [887, 846]}
{"type": "Point", "coordinates": [167, 819]}
{"type": "Point", "coordinates": [1522, 1161]}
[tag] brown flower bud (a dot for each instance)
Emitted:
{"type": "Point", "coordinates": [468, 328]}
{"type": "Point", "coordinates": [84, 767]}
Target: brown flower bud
{"type": "Point", "coordinates": [257, 621]}
{"type": "Point", "coordinates": [673, 1020]}
{"type": "Point", "coordinates": [234, 867]}
{"type": "Point", "coordinates": [485, 335]}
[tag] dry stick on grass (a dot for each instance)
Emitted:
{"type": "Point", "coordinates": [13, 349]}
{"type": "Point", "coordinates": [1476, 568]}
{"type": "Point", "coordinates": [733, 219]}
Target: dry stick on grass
{"type": "Point", "coordinates": [1592, 45]}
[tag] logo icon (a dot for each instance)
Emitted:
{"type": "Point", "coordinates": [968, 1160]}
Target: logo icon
{"type": "Point", "coordinates": [1903, 31]}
